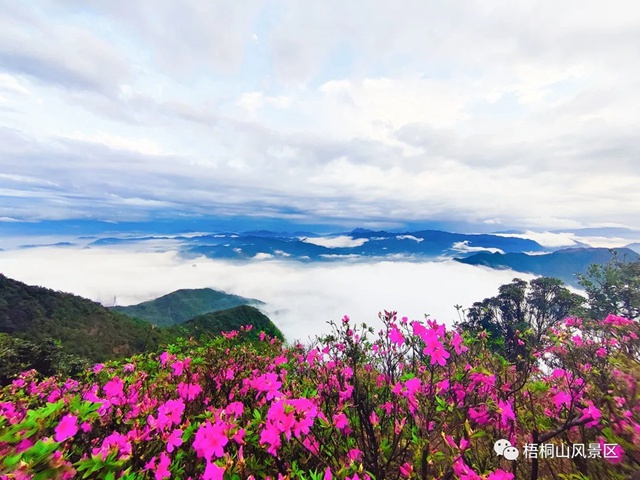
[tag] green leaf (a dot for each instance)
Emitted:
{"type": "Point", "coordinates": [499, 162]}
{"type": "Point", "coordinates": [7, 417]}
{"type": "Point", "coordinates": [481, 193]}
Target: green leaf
{"type": "Point", "coordinates": [13, 460]}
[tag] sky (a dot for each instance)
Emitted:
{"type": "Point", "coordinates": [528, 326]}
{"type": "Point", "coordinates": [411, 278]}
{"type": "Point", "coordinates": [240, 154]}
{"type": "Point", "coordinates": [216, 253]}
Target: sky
{"type": "Point", "coordinates": [499, 114]}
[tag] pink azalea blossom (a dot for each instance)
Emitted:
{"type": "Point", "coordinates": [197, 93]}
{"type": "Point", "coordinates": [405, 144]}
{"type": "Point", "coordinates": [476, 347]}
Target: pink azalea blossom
{"type": "Point", "coordinates": [396, 336]}
{"type": "Point", "coordinates": [562, 399]}
{"type": "Point", "coordinates": [506, 412]}
{"type": "Point", "coordinates": [500, 475]}
{"type": "Point", "coordinates": [406, 470]}
{"type": "Point", "coordinates": [458, 346]}
{"type": "Point", "coordinates": [591, 412]}
{"type": "Point", "coordinates": [354, 455]}
{"type": "Point", "coordinates": [67, 428]}
{"type": "Point", "coordinates": [162, 470]}
{"type": "Point", "coordinates": [114, 388]}
{"type": "Point", "coordinates": [213, 472]}
{"type": "Point", "coordinates": [174, 440]}
{"type": "Point", "coordinates": [340, 421]}
{"type": "Point", "coordinates": [164, 358]}
{"type": "Point", "coordinates": [210, 440]}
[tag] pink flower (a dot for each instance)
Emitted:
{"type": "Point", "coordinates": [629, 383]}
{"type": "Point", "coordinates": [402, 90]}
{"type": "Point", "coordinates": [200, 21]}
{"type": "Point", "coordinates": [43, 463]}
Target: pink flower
{"type": "Point", "coordinates": [354, 455]}
{"type": "Point", "coordinates": [150, 465]}
{"type": "Point", "coordinates": [67, 428]}
{"type": "Point", "coordinates": [456, 341]}
{"type": "Point", "coordinates": [213, 472]}
{"type": "Point", "coordinates": [396, 336]}
{"type": "Point", "coordinates": [500, 475]}
{"type": "Point", "coordinates": [268, 383]}
{"type": "Point", "coordinates": [591, 412]}
{"type": "Point", "coordinates": [178, 368]}
{"type": "Point", "coordinates": [210, 440]}
{"type": "Point", "coordinates": [170, 413]}
{"type": "Point", "coordinates": [162, 470]}
{"type": "Point", "coordinates": [438, 355]}
{"type": "Point", "coordinates": [327, 474]}
{"type": "Point", "coordinates": [373, 418]}
{"type": "Point", "coordinates": [271, 435]}
{"type": "Point", "coordinates": [238, 437]}
{"type": "Point", "coordinates": [235, 408]}
{"type": "Point", "coordinates": [340, 421]}
{"type": "Point", "coordinates": [562, 399]}
{"type": "Point", "coordinates": [164, 358]}
{"type": "Point", "coordinates": [23, 445]}
{"type": "Point", "coordinates": [189, 391]}
{"type": "Point", "coordinates": [412, 385]}
{"type": "Point", "coordinates": [506, 412]}
{"type": "Point", "coordinates": [113, 388]}
{"type": "Point", "coordinates": [613, 454]}
{"type": "Point", "coordinates": [463, 471]}
{"type": "Point", "coordinates": [174, 440]}
{"type": "Point", "coordinates": [406, 470]}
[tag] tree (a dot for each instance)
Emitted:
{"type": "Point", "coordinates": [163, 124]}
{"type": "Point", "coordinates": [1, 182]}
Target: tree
{"type": "Point", "coordinates": [517, 318]}
{"type": "Point", "coordinates": [613, 288]}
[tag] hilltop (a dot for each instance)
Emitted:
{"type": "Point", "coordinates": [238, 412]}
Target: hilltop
{"type": "Point", "coordinates": [182, 305]}
{"type": "Point", "coordinates": [230, 319]}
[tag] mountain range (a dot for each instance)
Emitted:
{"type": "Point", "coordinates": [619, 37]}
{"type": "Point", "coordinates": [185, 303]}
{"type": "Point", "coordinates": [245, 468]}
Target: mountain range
{"type": "Point", "coordinates": [358, 243]}
{"type": "Point", "coordinates": [497, 250]}
{"type": "Point", "coordinates": [564, 264]}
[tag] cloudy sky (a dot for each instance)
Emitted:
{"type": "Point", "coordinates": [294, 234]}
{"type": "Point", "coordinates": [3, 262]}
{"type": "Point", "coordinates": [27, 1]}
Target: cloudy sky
{"type": "Point", "coordinates": [520, 114]}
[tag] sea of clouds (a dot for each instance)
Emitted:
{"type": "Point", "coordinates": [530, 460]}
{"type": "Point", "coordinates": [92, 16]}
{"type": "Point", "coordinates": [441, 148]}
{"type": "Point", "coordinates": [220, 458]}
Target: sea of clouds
{"type": "Point", "coordinates": [300, 297]}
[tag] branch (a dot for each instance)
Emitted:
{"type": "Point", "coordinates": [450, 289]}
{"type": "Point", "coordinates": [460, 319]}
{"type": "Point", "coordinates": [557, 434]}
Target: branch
{"type": "Point", "coordinates": [574, 423]}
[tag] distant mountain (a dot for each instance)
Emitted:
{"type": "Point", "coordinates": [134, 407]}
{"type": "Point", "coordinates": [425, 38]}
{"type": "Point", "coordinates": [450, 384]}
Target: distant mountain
{"type": "Point", "coordinates": [563, 264]}
{"type": "Point", "coordinates": [601, 232]}
{"type": "Point", "coordinates": [270, 234]}
{"type": "Point", "coordinates": [58, 244]}
{"type": "Point", "coordinates": [423, 244]}
{"type": "Point", "coordinates": [226, 320]}
{"type": "Point", "coordinates": [634, 246]}
{"type": "Point", "coordinates": [182, 305]}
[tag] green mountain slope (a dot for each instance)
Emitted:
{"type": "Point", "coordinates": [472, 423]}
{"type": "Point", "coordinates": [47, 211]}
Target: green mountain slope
{"type": "Point", "coordinates": [179, 306]}
{"type": "Point", "coordinates": [226, 320]}
{"type": "Point", "coordinates": [82, 327]}
{"type": "Point", "coordinates": [48, 320]}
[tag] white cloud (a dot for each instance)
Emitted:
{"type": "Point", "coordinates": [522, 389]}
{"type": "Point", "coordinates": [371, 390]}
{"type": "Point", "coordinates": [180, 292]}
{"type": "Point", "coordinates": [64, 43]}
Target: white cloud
{"type": "Point", "coordinates": [546, 239]}
{"type": "Point", "coordinates": [409, 237]}
{"type": "Point", "coordinates": [300, 297]}
{"type": "Point", "coordinates": [464, 247]}
{"type": "Point", "coordinates": [341, 241]}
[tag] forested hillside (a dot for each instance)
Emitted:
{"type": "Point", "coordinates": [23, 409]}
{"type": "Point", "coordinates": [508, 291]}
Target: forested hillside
{"type": "Point", "coordinates": [182, 305]}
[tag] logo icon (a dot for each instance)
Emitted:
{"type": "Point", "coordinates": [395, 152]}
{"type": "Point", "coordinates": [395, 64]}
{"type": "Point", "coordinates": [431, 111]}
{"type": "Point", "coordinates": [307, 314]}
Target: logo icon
{"type": "Point", "coordinates": [503, 447]}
